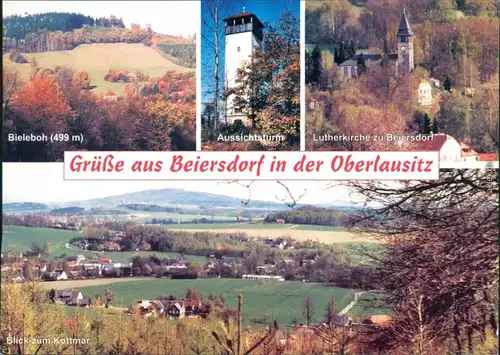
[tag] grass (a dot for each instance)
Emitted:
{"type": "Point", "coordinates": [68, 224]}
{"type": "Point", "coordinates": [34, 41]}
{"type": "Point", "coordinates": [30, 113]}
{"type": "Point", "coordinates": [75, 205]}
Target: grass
{"type": "Point", "coordinates": [284, 300]}
{"type": "Point", "coordinates": [147, 216]}
{"type": "Point", "coordinates": [369, 304]}
{"type": "Point", "coordinates": [18, 238]}
{"type": "Point", "coordinates": [98, 58]}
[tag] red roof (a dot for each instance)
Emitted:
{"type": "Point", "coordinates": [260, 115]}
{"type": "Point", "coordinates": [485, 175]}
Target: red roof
{"type": "Point", "coordinates": [434, 144]}
{"type": "Point", "coordinates": [192, 303]}
{"type": "Point", "coordinates": [104, 260]}
{"type": "Point", "coordinates": [488, 157]}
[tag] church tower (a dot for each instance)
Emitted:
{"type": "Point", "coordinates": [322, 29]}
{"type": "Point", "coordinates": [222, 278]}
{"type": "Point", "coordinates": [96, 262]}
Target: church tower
{"type": "Point", "coordinates": [405, 46]}
{"type": "Point", "coordinates": [244, 34]}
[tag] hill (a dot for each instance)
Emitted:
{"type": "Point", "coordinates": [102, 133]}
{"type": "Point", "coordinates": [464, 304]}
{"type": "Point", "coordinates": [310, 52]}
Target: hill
{"type": "Point", "coordinates": [23, 206]}
{"type": "Point", "coordinates": [173, 197]}
{"type": "Point", "coordinates": [96, 59]}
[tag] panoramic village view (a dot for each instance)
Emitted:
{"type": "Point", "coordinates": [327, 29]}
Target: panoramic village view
{"type": "Point", "coordinates": [250, 75]}
{"type": "Point", "coordinates": [419, 68]}
{"type": "Point", "coordinates": [77, 77]}
{"type": "Point", "coordinates": [228, 268]}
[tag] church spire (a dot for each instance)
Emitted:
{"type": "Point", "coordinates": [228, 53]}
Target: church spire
{"type": "Point", "coordinates": [404, 26]}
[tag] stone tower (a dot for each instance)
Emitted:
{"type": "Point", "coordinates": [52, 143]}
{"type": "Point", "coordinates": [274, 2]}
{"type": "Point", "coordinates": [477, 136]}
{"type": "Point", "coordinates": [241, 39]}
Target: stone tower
{"type": "Point", "coordinates": [243, 34]}
{"type": "Point", "coordinates": [405, 46]}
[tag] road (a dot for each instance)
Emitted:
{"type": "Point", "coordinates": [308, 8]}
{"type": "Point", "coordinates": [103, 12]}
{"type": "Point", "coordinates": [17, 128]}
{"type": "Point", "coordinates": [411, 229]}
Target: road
{"type": "Point", "coordinates": [357, 295]}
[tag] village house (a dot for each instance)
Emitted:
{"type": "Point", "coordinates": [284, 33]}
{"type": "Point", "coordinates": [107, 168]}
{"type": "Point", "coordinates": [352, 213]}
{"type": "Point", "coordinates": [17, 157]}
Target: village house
{"type": "Point", "coordinates": [424, 94]}
{"type": "Point", "coordinates": [263, 277]}
{"type": "Point", "coordinates": [112, 246]}
{"type": "Point", "coordinates": [71, 297]}
{"type": "Point", "coordinates": [450, 150]}
{"type": "Point", "coordinates": [280, 220]}
{"type": "Point", "coordinates": [75, 259]}
{"type": "Point", "coordinates": [55, 275]}
{"type": "Point", "coordinates": [145, 246]}
{"type": "Point", "coordinates": [170, 308]}
{"type": "Point", "coordinates": [110, 97]}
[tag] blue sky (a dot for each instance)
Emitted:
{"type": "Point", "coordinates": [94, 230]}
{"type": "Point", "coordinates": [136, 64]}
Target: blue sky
{"type": "Point", "coordinates": [266, 10]}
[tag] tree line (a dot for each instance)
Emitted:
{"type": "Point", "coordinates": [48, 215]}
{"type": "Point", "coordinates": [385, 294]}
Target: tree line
{"type": "Point", "coordinates": [312, 216]}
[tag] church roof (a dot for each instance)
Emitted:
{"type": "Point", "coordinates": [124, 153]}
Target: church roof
{"type": "Point", "coordinates": [349, 63]}
{"type": "Point", "coordinates": [404, 26]}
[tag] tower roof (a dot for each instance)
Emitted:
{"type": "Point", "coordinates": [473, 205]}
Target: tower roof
{"type": "Point", "coordinates": [404, 26]}
{"type": "Point", "coordinates": [244, 14]}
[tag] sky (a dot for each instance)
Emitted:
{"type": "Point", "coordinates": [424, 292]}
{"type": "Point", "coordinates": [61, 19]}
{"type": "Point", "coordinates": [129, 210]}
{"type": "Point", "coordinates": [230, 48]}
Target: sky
{"type": "Point", "coordinates": [266, 10]}
{"type": "Point", "coordinates": [19, 185]}
{"type": "Point", "coordinates": [165, 17]}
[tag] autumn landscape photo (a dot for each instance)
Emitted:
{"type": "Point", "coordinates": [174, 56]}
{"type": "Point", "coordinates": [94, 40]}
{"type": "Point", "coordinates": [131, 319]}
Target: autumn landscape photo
{"type": "Point", "coordinates": [206, 267]}
{"type": "Point", "coordinates": [426, 69]}
{"type": "Point", "coordinates": [97, 76]}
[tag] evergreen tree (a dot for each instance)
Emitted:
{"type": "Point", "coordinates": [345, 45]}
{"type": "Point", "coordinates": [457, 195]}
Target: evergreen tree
{"type": "Point", "coordinates": [427, 124]}
{"type": "Point", "coordinates": [447, 84]}
{"type": "Point", "coordinates": [435, 126]}
{"type": "Point", "coordinates": [341, 57]}
{"type": "Point", "coordinates": [316, 65]}
{"type": "Point", "coordinates": [361, 65]}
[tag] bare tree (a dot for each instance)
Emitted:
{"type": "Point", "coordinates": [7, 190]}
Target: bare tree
{"type": "Point", "coordinates": [213, 37]}
{"type": "Point", "coordinates": [308, 310]}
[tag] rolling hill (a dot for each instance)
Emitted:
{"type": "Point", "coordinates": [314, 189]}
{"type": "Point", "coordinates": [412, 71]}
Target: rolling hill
{"type": "Point", "coordinates": [98, 58]}
{"type": "Point", "coordinates": [174, 197]}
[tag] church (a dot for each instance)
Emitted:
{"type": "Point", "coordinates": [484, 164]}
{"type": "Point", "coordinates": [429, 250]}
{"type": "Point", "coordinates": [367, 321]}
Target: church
{"type": "Point", "coordinates": [403, 60]}
{"type": "Point", "coordinates": [243, 36]}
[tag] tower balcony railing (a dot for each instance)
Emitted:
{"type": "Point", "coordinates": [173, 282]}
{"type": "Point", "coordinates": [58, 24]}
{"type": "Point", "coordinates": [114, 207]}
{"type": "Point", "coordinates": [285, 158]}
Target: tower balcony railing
{"type": "Point", "coordinates": [246, 27]}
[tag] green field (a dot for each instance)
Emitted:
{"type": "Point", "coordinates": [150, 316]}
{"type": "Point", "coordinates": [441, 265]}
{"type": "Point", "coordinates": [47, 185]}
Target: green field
{"type": "Point", "coordinates": [146, 216]}
{"type": "Point", "coordinates": [369, 304]}
{"type": "Point", "coordinates": [17, 238]}
{"type": "Point", "coordinates": [98, 58]}
{"type": "Point", "coordinates": [283, 300]}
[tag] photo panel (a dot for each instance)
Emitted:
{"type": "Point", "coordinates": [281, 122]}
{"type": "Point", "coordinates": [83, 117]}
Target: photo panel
{"type": "Point", "coordinates": [403, 75]}
{"type": "Point", "coordinates": [250, 75]}
{"type": "Point", "coordinates": [98, 75]}
{"type": "Point", "coordinates": [188, 259]}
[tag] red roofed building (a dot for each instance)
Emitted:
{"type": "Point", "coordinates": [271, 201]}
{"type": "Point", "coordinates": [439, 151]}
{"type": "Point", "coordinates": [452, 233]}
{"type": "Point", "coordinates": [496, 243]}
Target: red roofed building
{"type": "Point", "coordinates": [488, 157]}
{"type": "Point", "coordinates": [451, 150]}
{"type": "Point", "coordinates": [111, 246]}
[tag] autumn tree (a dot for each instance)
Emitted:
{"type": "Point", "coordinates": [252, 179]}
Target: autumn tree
{"type": "Point", "coordinates": [109, 297]}
{"type": "Point", "coordinates": [269, 85]}
{"type": "Point", "coordinates": [81, 79]}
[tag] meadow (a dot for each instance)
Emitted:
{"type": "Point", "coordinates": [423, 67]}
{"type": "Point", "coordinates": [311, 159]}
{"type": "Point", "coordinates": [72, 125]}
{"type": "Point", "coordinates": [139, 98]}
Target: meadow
{"type": "Point", "coordinates": [322, 234]}
{"type": "Point", "coordinates": [18, 238]}
{"type": "Point", "coordinates": [97, 59]}
{"type": "Point", "coordinates": [283, 300]}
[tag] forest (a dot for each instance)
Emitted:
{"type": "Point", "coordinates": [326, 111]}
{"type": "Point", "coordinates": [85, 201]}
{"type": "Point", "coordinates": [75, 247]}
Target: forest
{"type": "Point", "coordinates": [65, 31]}
{"type": "Point", "coordinates": [274, 105]}
{"type": "Point", "coordinates": [455, 46]}
{"type": "Point", "coordinates": [312, 216]}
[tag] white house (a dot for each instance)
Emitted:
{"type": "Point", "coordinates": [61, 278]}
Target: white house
{"type": "Point", "coordinates": [349, 69]}
{"type": "Point", "coordinates": [424, 94]}
{"type": "Point", "coordinates": [263, 277]}
{"type": "Point", "coordinates": [243, 36]}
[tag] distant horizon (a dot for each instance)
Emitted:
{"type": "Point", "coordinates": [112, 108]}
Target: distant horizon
{"type": "Point", "coordinates": [169, 17]}
{"type": "Point", "coordinates": [18, 187]}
